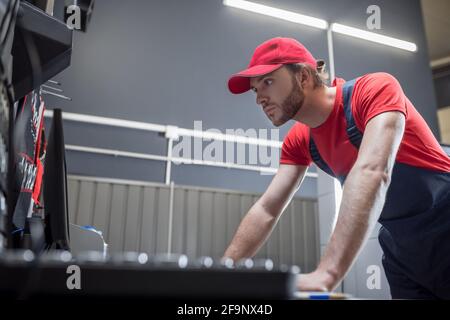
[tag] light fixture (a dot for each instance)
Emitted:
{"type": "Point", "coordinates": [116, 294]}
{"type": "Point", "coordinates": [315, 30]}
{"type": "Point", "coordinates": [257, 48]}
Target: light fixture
{"type": "Point", "coordinates": [374, 37]}
{"type": "Point", "coordinates": [277, 13]}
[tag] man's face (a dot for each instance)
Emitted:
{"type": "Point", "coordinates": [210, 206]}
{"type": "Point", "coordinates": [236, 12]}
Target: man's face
{"type": "Point", "coordinates": [278, 94]}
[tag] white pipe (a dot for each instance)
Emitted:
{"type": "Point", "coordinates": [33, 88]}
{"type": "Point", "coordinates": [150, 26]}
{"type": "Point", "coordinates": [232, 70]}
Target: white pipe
{"type": "Point", "coordinates": [180, 131]}
{"type": "Point", "coordinates": [169, 160]}
{"type": "Point", "coordinates": [109, 121]}
{"type": "Point", "coordinates": [337, 188]}
{"type": "Point", "coordinates": [228, 137]}
{"type": "Point", "coordinates": [176, 160]}
{"type": "Point", "coordinates": [161, 128]}
{"type": "Point", "coordinates": [116, 153]}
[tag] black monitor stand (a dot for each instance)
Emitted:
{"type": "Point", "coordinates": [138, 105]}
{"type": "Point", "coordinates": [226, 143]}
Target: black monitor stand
{"type": "Point", "coordinates": [55, 188]}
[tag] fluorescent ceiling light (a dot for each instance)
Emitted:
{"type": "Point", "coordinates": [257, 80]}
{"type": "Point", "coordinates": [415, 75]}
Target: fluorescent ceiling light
{"type": "Point", "coordinates": [277, 13]}
{"type": "Point", "coordinates": [319, 23]}
{"type": "Point", "coordinates": [374, 37]}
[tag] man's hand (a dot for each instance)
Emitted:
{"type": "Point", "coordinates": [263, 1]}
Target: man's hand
{"type": "Point", "coordinates": [315, 281]}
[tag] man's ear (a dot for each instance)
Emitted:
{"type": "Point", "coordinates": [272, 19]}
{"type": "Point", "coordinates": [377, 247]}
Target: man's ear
{"type": "Point", "coordinates": [302, 78]}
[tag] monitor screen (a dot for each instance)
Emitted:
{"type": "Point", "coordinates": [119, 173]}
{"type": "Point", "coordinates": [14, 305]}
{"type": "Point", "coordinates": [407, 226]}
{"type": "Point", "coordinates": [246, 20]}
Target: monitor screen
{"type": "Point", "coordinates": [55, 188]}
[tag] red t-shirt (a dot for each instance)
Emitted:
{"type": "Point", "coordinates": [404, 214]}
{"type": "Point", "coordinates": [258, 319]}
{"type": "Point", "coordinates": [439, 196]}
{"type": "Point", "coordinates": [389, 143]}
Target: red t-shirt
{"type": "Point", "coordinates": [373, 94]}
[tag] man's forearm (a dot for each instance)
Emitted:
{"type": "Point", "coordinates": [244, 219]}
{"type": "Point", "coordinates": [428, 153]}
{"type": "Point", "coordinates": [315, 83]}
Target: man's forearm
{"type": "Point", "coordinates": [362, 202]}
{"type": "Point", "coordinates": [251, 234]}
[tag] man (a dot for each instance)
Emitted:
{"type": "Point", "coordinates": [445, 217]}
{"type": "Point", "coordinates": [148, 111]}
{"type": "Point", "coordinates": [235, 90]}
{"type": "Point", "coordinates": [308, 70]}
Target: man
{"type": "Point", "coordinates": [366, 133]}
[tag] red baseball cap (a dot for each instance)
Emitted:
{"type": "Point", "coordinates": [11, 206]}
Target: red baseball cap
{"type": "Point", "coordinates": [268, 57]}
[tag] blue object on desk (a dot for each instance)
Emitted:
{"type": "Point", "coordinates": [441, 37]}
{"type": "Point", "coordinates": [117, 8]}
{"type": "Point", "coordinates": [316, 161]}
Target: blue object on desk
{"type": "Point", "coordinates": [321, 295]}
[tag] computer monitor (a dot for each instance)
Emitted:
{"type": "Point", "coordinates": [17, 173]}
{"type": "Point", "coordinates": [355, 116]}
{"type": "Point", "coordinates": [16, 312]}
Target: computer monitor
{"type": "Point", "coordinates": [55, 188]}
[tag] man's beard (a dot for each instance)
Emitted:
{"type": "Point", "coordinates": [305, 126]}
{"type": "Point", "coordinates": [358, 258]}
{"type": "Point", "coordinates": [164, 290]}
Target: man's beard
{"type": "Point", "coordinates": [291, 105]}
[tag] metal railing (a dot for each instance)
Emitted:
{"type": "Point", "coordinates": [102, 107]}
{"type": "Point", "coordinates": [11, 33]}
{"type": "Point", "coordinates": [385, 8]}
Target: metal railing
{"type": "Point", "coordinates": [171, 133]}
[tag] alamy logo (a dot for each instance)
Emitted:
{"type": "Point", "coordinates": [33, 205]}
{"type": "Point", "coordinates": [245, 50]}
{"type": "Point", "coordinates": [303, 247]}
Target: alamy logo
{"type": "Point", "coordinates": [74, 17]}
{"type": "Point", "coordinates": [374, 279]}
{"type": "Point", "coordinates": [263, 149]}
{"type": "Point", "coordinates": [74, 279]}
{"type": "Point", "coordinates": [374, 20]}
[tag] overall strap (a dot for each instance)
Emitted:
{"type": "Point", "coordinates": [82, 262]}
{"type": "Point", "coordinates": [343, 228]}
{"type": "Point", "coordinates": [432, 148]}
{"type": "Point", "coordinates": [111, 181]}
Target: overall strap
{"type": "Point", "coordinates": [317, 159]}
{"type": "Point", "coordinates": [355, 136]}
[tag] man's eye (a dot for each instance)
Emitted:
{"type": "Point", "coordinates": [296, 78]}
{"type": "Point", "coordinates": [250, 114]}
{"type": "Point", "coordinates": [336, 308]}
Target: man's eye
{"type": "Point", "coordinates": [254, 90]}
{"type": "Point", "coordinates": [268, 82]}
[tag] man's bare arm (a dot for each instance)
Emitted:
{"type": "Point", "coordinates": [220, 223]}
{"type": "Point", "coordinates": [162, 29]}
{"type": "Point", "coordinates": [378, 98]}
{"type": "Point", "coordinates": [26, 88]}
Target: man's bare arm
{"type": "Point", "coordinates": [263, 215]}
{"type": "Point", "coordinates": [362, 202]}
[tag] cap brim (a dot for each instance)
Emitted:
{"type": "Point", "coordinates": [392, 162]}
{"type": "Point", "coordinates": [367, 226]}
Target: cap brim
{"type": "Point", "coordinates": [240, 82]}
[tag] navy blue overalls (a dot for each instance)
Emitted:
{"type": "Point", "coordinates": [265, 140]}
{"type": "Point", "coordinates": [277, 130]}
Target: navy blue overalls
{"type": "Point", "coordinates": [415, 232]}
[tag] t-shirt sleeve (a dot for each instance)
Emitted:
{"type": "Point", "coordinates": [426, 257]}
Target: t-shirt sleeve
{"type": "Point", "coordinates": [378, 93]}
{"type": "Point", "coordinates": [294, 149]}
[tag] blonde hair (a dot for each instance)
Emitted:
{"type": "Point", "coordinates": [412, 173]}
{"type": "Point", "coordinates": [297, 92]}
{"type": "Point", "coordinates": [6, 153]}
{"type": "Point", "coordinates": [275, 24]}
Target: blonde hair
{"type": "Point", "coordinates": [320, 75]}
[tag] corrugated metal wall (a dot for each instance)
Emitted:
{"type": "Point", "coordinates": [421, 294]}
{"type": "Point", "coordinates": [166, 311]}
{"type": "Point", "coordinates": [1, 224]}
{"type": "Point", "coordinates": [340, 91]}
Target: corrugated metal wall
{"type": "Point", "coordinates": [135, 216]}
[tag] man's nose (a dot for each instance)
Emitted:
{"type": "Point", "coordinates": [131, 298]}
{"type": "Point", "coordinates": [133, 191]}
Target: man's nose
{"type": "Point", "coordinates": [261, 100]}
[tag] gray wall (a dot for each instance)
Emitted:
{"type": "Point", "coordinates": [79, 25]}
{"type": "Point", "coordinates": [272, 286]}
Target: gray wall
{"type": "Point", "coordinates": [135, 217]}
{"type": "Point", "coordinates": [168, 62]}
